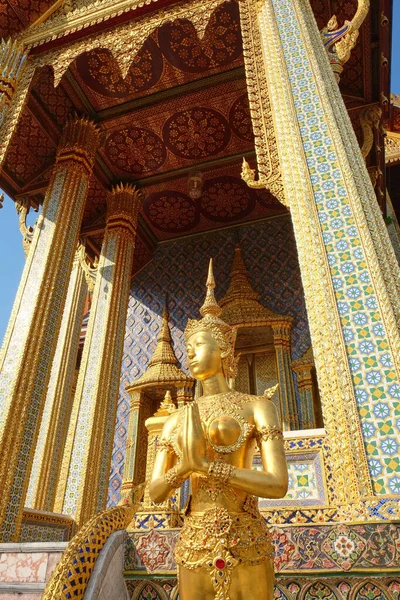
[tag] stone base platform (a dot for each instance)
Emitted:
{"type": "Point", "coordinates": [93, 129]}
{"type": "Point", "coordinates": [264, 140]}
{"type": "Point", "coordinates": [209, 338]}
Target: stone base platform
{"type": "Point", "coordinates": [26, 568]}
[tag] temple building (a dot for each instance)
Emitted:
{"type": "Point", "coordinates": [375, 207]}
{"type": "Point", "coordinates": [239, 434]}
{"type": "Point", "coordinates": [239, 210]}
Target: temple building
{"type": "Point", "coordinates": [150, 136]}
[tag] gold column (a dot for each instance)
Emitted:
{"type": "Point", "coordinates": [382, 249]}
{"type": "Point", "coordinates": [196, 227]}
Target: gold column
{"type": "Point", "coordinates": [58, 406]}
{"type": "Point", "coordinates": [282, 334]}
{"type": "Point", "coordinates": [136, 445]}
{"type": "Point", "coordinates": [31, 337]}
{"type": "Point", "coordinates": [83, 483]}
{"type": "Point", "coordinates": [303, 367]}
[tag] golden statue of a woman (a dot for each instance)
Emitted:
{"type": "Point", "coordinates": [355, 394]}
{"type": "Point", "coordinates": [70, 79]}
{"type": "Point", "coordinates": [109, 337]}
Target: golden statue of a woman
{"type": "Point", "coordinates": [224, 551]}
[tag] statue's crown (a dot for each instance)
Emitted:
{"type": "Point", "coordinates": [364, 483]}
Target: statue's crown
{"type": "Point", "coordinates": [223, 333]}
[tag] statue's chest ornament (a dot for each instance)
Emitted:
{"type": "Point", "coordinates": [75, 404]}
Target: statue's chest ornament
{"type": "Point", "coordinates": [226, 429]}
{"type": "Point", "coordinates": [224, 425]}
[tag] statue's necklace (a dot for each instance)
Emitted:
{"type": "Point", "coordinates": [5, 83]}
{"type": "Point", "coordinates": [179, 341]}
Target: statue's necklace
{"type": "Point", "coordinates": [225, 427]}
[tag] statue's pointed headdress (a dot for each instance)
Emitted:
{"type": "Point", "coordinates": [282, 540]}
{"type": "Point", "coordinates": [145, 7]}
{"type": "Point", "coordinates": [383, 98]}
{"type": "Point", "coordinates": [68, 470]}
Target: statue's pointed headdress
{"type": "Point", "coordinates": [223, 333]}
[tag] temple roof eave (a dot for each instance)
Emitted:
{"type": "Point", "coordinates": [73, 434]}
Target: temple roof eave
{"type": "Point", "coordinates": [161, 373]}
{"type": "Point", "coordinates": [254, 314]}
{"type": "Point", "coordinates": [165, 380]}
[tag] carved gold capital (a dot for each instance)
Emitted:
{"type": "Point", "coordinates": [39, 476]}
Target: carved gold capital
{"type": "Point", "coordinates": [282, 333]}
{"type": "Point", "coordinates": [137, 400]}
{"type": "Point", "coordinates": [79, 142]}
{"type": "Point", "coordinates": [370, 120]}
{"type": "Point", "coordinates": [122, 207]}
{"type": "Point", "coordinates": [304, 378]}
{"type": "Point", "coordinates": [89, 270]}
{"type": "Point", "coordinates": [22, 207]}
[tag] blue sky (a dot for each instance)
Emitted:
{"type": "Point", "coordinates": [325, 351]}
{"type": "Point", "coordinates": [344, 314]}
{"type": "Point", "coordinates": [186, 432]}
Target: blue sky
{"type": "Point", "coordinates": [12, 257]}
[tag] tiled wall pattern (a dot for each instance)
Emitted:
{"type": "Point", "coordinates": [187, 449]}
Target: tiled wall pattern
{"type": "Point", "coordinates": [287, 588]}
{"type": "Point", "coordinates": [375, 382]}
{"type": "Point", "coordinates": [365, 547]}
{"type": "Point", "coordinates": [180, 269]}
{"type": "Point", "coordinates": [306, 481]}
{"type": "Point", "coordinates": [32, 532]}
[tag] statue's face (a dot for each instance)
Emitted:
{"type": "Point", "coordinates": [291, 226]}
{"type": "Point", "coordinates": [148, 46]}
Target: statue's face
{"type": "Point", "coordinates": [204, 355]}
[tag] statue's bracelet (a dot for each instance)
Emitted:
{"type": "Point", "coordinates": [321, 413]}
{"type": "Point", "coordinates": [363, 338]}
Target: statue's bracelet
{"type": "Point", "coordinates": [220, 471]}
{"type": "Point", "coordinates": [173, 480]}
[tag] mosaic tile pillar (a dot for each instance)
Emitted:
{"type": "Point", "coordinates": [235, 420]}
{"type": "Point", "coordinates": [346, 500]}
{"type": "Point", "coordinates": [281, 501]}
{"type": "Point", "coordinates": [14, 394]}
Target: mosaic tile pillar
{"type": "Point", "coordinates": [58, 405]}
{"type": "Point", "coordinates": [282, 337]}
{"type": "Point", "coordinates": [305, 387]}
{"type": "Point", "coordinates": [82, 488]}
{"type": "Point", "coordinates": [349, 270]}
{"type": "Point", "coordinates": [136, 444]}
{"type": "Point", "coordinates": [31, 337]}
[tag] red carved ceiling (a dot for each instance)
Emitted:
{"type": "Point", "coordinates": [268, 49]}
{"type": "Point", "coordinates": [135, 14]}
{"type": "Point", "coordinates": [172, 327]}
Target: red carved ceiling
{"type": "Point", "coordinates": [226, 200]}
{"type": "Point", "coordinates": [173, 55]}
{"type": "Point", "coordinates": [171, 137]}
{"type": "Point", "coordinates": [182, 105]}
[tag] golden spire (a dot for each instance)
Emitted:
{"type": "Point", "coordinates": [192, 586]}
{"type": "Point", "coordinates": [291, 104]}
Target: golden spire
{"type": "Point", "coordinates": [210, 306]}
{"type": "Point", "coordinates": [241, 305]}
{"type": "Point", "coordinates": [163, 366]}
{"type": "Point", "coordinates": [167, 406]}
{"type": "Point", "coordinates": [164, 353]}
{"type": "Point", "coordinates": [239, 287]}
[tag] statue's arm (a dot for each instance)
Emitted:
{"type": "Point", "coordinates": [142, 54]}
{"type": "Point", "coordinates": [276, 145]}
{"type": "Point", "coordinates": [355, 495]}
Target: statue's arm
{"type": "Point", "coordinates": [273, 481]}
{"type": "Point", "coordinates": [168, 474]}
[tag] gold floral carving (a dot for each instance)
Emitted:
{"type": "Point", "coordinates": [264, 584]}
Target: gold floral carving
{"type": "Point", "coordinates": [340, 41]}
{"type": "Point", "coordinates": [75, 15]}
{"type": "Point", "coordinates": [22, 208]}
{"type": "Point", "coordinates": [125, 41]}
{"type": "Point", "coordinates": [392, 147]}
{"type": "Point", "coordinates": [395, 99]}
{"type": "Point", "coordinates": [90, 270]}
{"type": "Point", "coordinates": [370, 119]}
{"type": "Point", "coordinates": [260, 109]}
{"type": "Point", "coordinates": [45, 518]}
